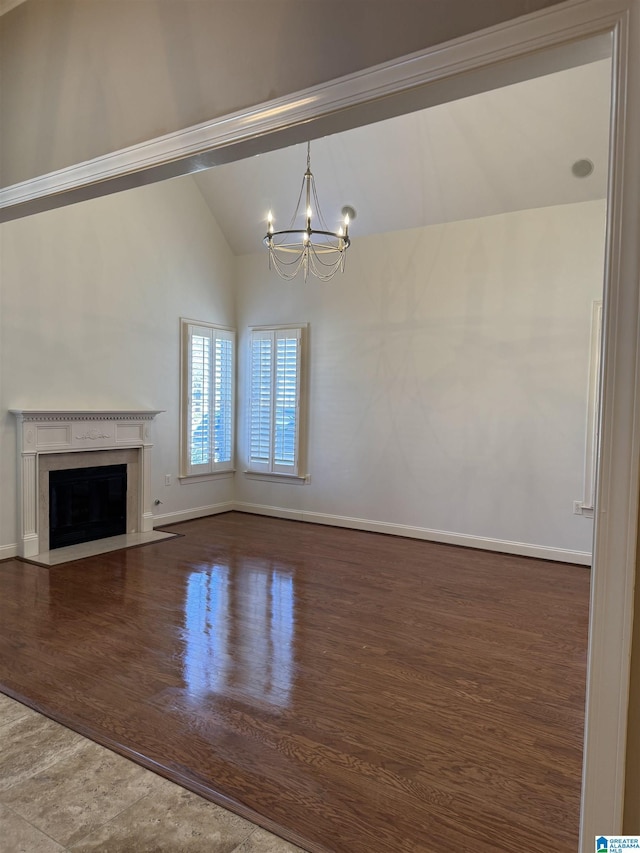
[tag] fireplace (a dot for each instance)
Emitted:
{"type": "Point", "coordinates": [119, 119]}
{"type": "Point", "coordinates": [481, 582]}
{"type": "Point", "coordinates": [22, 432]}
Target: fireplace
{"type": "Point", "coordinates": [75, 464]}
{"type": "Point", "coordinates": [50, 442]}
{"type": "Point", "coordinates": [87, 504]}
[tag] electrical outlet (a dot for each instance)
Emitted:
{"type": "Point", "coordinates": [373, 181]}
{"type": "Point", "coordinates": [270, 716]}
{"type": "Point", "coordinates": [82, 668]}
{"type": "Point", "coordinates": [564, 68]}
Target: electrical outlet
{"type": "Point", "coordinates": [167, 479]}
{"type": "Point", "coordinates": [577, 508]}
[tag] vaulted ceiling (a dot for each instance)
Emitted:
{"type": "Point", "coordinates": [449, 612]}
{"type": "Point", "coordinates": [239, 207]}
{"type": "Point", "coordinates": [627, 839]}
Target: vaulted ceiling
{"type": "Point", "coordinates": [503, 150]}
{"type": "Point", "coordinates": [8, 5]}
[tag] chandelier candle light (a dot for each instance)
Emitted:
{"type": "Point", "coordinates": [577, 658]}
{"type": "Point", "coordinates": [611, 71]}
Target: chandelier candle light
{"type": "Point", "coordinates": [318, 251]}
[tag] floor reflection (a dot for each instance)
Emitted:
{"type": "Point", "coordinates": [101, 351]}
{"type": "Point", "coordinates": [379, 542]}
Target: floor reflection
{"type": "Point", "coordinates": [240, 632]}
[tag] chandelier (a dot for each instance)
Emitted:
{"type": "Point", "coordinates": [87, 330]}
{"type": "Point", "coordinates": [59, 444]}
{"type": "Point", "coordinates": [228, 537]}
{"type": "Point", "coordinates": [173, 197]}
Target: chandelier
{"type": "Point", "coordinates": [318, 251]}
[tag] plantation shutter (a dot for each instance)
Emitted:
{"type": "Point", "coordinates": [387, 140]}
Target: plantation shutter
{"type": "Point", "coordinates": [210, 400]}
{"type": "Point", "coordinates": [286, 401]}
{"type": "Point", "coordinates": [200, 400]}
{"type": "Point", "coordinates": [275, 401]}
{"type": "Point", "coordinates": [260, 402]}
{"type": "Point", "coordinates": [223, 400]}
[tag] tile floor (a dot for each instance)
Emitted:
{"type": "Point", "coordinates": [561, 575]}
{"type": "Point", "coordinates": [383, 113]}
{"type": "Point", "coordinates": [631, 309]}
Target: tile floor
{"type": "Point", "coordinates": [62, 792]}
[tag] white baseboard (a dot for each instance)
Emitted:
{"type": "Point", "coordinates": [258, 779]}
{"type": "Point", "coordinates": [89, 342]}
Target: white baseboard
{"type": "Point", "coordinates": [524, 549]}
{"type": "Point", "coordinates": [504, 546]}
{"type": "Point", "coordinates": [189, 514]}
{"type": "Point", "coordinates": [8, 551]}
{"type": "Point", "coordinates": [273, 511]}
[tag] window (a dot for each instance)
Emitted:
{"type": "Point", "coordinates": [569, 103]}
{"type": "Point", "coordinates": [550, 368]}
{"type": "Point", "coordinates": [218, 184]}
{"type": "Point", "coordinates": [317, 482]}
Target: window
{"type": "Point", "coordinates": [274, 400]}
{"type": "Point", "coordinates": [208, 379]}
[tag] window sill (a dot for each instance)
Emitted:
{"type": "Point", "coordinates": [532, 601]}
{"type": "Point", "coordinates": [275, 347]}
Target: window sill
{"type": "Point", "coordinates": [185, 479]}
{"type": "Point", "coordinates": [277, 477]}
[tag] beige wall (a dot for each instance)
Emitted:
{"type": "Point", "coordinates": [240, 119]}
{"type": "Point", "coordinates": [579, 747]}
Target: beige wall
{"type": "Point", "coordinates": [81, 78]}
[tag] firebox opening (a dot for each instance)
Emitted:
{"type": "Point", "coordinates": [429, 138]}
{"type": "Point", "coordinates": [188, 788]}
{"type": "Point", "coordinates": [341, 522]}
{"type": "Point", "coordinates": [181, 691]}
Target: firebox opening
{"type": "Point", "coordinates": [87, 504]}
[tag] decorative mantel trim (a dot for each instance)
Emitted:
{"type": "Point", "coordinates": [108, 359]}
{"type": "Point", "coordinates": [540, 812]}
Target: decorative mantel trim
{"type": "Point", "coordinates": [87, 415]}
{"type": "Point", "coordinates": [56, 431]}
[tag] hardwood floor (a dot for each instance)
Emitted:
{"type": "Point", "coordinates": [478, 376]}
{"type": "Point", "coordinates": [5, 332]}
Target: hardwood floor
{"type": "Point", "coordinates": [355, 692]}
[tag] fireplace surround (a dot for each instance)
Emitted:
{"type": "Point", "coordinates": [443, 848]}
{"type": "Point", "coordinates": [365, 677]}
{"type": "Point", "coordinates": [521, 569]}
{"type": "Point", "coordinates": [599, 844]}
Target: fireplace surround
{"type": "Point", "coordinates": [63, 440]}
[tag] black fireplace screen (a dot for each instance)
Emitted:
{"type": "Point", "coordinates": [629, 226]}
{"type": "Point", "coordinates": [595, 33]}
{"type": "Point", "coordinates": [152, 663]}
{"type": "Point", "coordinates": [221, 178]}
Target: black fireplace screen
{"type": "Point", "coordinates": [87, 504]}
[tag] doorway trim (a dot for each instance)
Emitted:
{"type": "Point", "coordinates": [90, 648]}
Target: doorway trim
{"type": "Point", "coordinates": [538, 43]}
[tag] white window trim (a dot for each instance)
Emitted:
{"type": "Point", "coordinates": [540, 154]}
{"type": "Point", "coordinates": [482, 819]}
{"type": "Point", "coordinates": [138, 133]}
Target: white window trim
{"type": "Point", "coordinates": [275, 477]}
{"type": "Point", "coordinates": [269, 471]}
{"type": "Point", "coordinates": [211, 470]}
{"type": "Point", "coordinates": [202, 478]}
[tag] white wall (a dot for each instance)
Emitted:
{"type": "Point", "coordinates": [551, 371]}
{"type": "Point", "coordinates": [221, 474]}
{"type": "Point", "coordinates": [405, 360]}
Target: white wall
{"type": "Point", "coordinates": [90, 300]}
{"type": "Point", "coordinates": [448, 376]}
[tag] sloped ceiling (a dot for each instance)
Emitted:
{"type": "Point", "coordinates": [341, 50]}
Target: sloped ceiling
{"type": "Point", "coordinates": [8, 5]}
{"type": "Point", "coordinates": [503, 150]}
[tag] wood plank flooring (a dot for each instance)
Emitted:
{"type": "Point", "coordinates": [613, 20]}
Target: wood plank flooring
{"type": "Point", "coordinates": [355, 692]}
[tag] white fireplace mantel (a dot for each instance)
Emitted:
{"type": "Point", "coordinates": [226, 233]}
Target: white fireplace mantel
{"type": "Point", "coordinates": [54, 431]}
